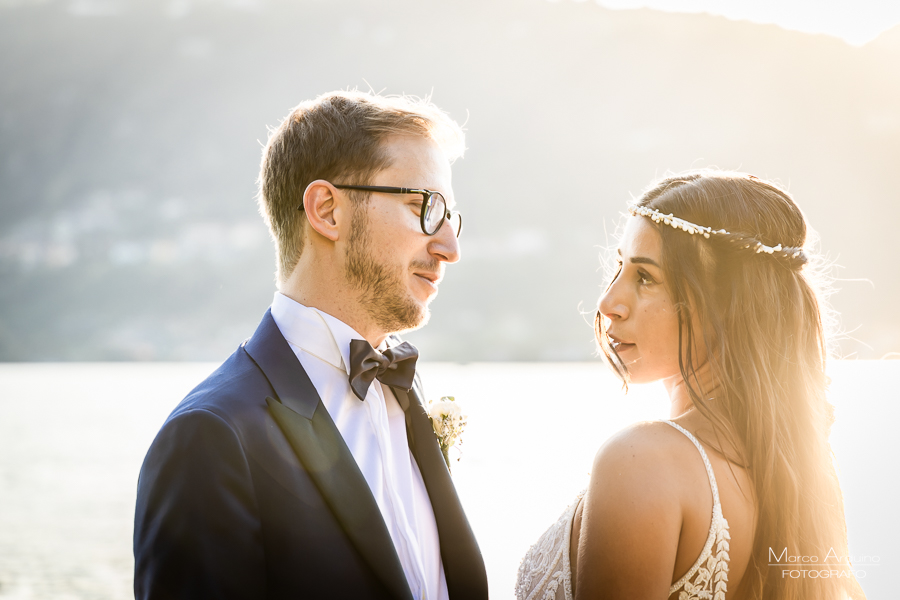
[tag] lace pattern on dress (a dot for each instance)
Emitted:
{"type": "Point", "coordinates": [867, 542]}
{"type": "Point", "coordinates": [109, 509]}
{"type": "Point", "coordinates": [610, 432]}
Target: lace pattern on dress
{"type": "Point", "coordinates": [545, 572]}
{"type": "Point", "coordinates": [710, 572]}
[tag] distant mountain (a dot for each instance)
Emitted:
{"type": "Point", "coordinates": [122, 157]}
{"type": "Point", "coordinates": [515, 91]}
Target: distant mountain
{"type": "Point", "coordinates": [888, 41]}
{"type": "Point", "coordinates": [130, 138]}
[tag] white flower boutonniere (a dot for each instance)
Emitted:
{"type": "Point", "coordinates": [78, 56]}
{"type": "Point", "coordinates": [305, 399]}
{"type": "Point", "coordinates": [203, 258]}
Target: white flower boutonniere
{"type": "Point", "coordinates": [448, 422]}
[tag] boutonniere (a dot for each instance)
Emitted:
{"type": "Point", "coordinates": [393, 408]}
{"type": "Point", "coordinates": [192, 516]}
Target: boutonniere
{"type": "Point", "coordinates": [448, 422]}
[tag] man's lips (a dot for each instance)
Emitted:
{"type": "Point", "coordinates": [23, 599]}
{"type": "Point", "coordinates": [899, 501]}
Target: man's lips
{"type": "Point", "coordinates": [433, 279]}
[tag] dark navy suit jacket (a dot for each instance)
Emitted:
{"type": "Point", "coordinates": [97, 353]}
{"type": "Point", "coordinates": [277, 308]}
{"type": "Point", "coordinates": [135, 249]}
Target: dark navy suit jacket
{"type": "Point", "coordinates": [249, 491]}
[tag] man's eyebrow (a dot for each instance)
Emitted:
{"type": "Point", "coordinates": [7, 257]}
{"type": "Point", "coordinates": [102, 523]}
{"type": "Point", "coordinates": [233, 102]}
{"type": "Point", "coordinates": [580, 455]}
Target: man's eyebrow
{"type": "Point", "coordinates": [641, 260]}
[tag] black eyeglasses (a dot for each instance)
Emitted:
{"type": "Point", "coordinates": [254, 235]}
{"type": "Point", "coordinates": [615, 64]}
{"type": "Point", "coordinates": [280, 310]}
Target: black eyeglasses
{"type": "Point", "coordinates": [434, 207]}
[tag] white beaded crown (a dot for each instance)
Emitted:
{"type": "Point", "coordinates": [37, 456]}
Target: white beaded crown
{"type": "Point", "coordinates": [694, 229]}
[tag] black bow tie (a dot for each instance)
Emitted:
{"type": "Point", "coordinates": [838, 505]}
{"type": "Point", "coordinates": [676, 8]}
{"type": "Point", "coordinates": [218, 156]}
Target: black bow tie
{"type": "Point", "coordinates": [395, 366]}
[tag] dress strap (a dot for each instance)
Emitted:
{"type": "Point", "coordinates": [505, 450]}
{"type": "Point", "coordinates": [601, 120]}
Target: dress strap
{"type": "Point", "coordinates": [718, 534]}
{"type": "Point", "coordinates": [709, 470]}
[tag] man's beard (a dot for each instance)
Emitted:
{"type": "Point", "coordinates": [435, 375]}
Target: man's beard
{"type": "Point", "coordinates": [383, 291]}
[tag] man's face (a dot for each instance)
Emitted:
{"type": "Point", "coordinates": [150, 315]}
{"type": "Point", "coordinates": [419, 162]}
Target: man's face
{"type": "Point", "coordinates": [393, 264]}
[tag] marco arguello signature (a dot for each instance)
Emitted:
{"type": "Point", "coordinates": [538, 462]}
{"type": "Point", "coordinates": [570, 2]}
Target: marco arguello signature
{"type": "Point", "coordinates": [830, 566]}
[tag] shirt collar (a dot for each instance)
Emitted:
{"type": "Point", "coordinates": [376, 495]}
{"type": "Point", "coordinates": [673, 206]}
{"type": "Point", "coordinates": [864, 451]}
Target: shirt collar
{"type": "Point", "coordinates": [316, 332]}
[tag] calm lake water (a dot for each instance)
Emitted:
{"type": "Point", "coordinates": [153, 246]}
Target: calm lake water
{"type": "Point", "coordinates": [73, 436]}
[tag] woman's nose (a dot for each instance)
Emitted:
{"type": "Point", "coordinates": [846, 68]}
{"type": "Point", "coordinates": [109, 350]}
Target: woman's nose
{"type": "Point", "coordinates": [611, 303]}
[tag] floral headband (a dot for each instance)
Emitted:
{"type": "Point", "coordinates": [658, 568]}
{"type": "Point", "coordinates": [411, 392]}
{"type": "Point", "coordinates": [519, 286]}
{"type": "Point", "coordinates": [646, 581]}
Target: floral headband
{"type": "Point", "coordinates": [795, 256]}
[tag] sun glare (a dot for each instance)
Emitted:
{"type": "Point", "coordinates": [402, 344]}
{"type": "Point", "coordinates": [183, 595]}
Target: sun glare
{"type": "Point", "coordinates": [857, 23]}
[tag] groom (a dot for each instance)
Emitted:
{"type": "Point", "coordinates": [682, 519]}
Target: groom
{"type": "Point", "coordinates": [306, 466]}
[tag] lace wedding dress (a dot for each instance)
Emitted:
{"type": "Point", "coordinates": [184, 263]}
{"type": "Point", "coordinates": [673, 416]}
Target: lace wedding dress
{"type": "Point", "coordinates": [546, 574]}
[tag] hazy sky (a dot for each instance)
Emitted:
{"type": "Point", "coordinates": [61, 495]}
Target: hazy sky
{"type": "Point", "coordinates": [856, 21]}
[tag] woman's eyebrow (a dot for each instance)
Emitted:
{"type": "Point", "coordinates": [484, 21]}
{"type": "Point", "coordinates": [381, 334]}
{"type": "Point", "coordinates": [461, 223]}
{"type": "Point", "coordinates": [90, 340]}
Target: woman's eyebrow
{"type": "Point", "coordinates": [640, 260]}
{"type": "Point", "coordinates": [643, 260]}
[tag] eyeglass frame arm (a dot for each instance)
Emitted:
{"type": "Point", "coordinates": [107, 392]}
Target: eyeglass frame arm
{"type": "Point", "coordinates": [401, 190]}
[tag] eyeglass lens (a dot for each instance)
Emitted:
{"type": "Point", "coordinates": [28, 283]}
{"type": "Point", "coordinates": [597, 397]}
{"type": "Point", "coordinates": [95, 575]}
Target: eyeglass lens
{"type": "Point", "coordinates": [435, 211]}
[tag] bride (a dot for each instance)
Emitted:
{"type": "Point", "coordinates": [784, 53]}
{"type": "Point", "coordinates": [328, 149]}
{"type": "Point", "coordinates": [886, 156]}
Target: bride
{"type": "Point", "coordinates": [715, 295]}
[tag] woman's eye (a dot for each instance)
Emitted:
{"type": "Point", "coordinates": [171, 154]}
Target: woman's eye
{"type": "Point", "coordinates": [644, 278]}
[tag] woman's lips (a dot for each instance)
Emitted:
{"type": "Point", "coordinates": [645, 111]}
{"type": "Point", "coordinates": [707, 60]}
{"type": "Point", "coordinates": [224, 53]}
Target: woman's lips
{"type": "Point", "coordinates": [621, 347]}
{"type": "Point", "coordinates": [618, 345]}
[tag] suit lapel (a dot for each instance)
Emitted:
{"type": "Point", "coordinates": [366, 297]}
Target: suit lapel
{"type": "Point", "coordinates": [322, 450]}
{"type": "Point", "coordinates": [463, 564]}
{"type": "Point", "coordinates": [315, 439]}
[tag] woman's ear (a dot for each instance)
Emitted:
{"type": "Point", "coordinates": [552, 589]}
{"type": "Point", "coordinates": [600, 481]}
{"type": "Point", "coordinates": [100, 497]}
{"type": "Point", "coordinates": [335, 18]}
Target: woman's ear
{"type": "Point", "coordinates": [324, 209]}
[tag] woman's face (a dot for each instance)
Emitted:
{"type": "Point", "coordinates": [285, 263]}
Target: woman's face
{"type": "Point", "coordinates": [640, 317]}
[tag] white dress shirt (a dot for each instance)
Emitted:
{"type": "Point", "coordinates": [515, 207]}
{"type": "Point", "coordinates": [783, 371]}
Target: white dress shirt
{"type": "Point", "coordinates": [375, 432]}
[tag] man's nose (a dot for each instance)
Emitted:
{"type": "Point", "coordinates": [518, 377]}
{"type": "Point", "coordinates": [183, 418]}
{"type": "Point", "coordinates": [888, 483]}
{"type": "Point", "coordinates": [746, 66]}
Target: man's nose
{"type": "Point", "coordinates": [444, 245]}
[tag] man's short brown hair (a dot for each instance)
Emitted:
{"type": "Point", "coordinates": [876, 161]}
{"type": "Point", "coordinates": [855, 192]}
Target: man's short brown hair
{"type": "Point", "coordinates": [337, 137]}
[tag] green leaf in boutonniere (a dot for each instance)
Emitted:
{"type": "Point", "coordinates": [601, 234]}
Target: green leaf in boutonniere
{"type": "Point", "coordinates": [448, 422]}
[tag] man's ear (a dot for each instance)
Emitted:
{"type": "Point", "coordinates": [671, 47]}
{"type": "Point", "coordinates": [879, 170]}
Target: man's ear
{"type": "Point", "coordinates": [324, 209]}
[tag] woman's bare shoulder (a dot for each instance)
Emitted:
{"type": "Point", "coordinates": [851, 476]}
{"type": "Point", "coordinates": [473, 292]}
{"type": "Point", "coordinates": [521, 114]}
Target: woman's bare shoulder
{"type": "Point", "coordinates": [644, 467]}
{"type": "Point", "coordinates": [652, 446]}
{"type": "Point", "coordinates": [633, 511]}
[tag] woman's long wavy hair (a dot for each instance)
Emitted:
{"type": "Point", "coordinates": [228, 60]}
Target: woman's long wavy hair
{"type": "Point", "coordinates": [764, 322]}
